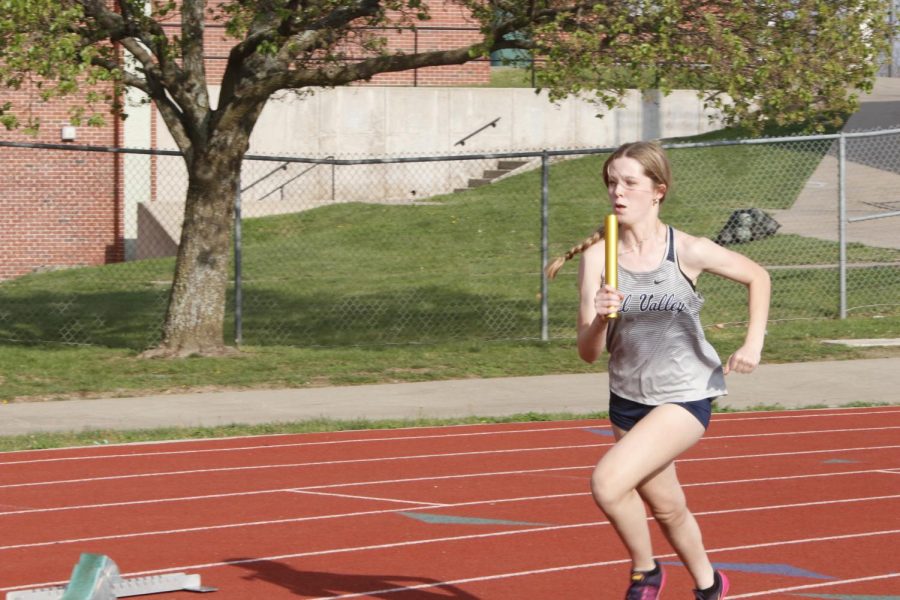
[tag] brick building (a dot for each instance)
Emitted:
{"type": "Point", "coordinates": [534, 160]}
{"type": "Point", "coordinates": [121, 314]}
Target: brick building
{"type": "Point", "coordinates": [63, 209]}
{"type": "Point", "coordinates": [57, 208]}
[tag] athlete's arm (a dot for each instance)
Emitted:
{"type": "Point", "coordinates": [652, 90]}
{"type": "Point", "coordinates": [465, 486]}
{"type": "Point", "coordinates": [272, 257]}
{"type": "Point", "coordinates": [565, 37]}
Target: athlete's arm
{"type": "Point", "coordinates": [703, 255]}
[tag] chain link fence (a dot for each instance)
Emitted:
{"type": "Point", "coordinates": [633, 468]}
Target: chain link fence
{"type": "Point", "coordinates": [341, 251]}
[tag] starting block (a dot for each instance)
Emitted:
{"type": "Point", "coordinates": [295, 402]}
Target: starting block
{"type": "Point", "coordinates": [96, 577]}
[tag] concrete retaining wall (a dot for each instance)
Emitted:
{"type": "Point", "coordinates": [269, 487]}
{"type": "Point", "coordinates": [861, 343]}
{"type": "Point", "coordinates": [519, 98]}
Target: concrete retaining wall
{"type": "Point", "coordinates": [368, 122]}
{"type": "Point", "coordinates": [390, 121]}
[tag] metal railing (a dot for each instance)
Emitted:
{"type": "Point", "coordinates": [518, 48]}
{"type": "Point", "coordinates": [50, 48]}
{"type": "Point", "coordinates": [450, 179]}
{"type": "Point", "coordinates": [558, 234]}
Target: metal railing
{"type": "Point", "coordinates": [463, 141]}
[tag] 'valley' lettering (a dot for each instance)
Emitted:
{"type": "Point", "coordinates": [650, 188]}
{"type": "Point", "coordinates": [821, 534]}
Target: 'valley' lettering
{"type": "Point", "coordinates": [649, 302]}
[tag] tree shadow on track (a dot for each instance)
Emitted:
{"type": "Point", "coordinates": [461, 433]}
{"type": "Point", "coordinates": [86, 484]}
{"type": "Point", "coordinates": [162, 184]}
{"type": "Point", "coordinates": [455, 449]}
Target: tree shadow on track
{"type": "Point", "coordinates": [318, 584]}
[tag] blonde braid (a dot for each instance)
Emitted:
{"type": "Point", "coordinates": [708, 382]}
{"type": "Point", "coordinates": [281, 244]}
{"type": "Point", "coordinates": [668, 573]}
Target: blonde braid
{"type": "Point", "coordinates": [557, 264]}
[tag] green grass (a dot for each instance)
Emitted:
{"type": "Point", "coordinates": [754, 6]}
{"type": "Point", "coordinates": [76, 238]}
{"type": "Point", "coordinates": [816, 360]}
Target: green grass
{"type": "Point", "coordinates": [519, 74]}
{"type": "Point", "coordinates": [511, 77]}
{"type": "Point", "coordinates": [365, 293]}
{"type": "Point", "coordinates": [48, 372]}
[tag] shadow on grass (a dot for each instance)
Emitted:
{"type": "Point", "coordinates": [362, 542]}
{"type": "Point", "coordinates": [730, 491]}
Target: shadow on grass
{"type": "Point", "coordinates": [123, 319]}
{"type": "Point", "coordinates": [290, 315]}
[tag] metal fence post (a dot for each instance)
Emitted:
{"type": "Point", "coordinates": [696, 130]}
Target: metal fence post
{"type": "Point", "coordinates": [238, 264]}
{"type": "Point", "coordinates": [894, 50]}
{"type": "Point", "coordinates": [545, 244]}
{"type": "Point", "coordinates": [333, 175]}
{"type": "Point", "coordinates": [842, 223]}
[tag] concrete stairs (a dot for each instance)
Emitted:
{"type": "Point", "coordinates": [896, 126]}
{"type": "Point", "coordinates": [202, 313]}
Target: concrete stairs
{"type": "Point", "coordinates": [489, 176]}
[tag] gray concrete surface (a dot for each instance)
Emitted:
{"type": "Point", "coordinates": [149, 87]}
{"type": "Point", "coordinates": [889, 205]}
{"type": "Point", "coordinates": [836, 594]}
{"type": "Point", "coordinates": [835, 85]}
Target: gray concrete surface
{"type": "Point", "coordinates": [879, 109]}
{"type": "Point", "coordinates": [833, 383]}
{"type": "Point", "coordinates": [872, 179]}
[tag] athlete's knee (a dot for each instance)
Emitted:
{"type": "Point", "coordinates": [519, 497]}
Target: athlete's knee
{"type": "Point", "coordinates": [670, 510]}
{"type": "Point", "coordinates": [606, 488]}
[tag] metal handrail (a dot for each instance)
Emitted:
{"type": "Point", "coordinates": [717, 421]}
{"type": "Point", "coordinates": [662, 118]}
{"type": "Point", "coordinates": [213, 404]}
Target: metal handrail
{"type": "Point", "coordinates": [281, 167]}
{"type": "Point", "coordinates": [284, 184]}
{"type": "Point", "coordinates": [895, 213]}
{"type": "Point", "coordinates": [281, 187]}
{"type": "Point", "coordinates": [462, 142]}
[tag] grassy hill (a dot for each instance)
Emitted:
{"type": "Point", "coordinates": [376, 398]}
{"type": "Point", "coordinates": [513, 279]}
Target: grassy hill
{"type": "Point", "coordinates": [462, 266]}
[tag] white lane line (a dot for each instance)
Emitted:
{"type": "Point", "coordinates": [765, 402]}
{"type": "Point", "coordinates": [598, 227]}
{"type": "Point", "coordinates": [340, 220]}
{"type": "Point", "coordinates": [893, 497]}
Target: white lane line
{"type": "Point", "coordinates": [800, 414]}
{"type": "Point", "coordinates": [725, 511]}
{"type": "Point", "coordinates": [556, 469]}
{"type": "Point", "coordinates": [494, 577]}
{"type": "Point", "coordinates": [410, 457]}
{"type": "Point", "coordinates": [483, 578]}
{"type": "Point", "coordinates": [293, 445]}
{"type": "Point", "coordinates": [354, 497]}
{"type": "Point", "coordinates": [297, 465]}
{"type": "Point", "coordinates": [454, 582]}
{"type": "Point", "coordinates": [724, 417]}
{"type": "Point", "coordinates": [206, 528]}
{"type": "Point", "coordinates": [428, 478]}
{"type": "Point", "coordinates": [315, 518]}
{"type": "Point", "coordinates": [792, 433]}
{"type": "Point", "coordinates": [782, 478]}
{"type": "Point", "coordinates": [813, 586]}
{"type": "Point", "coordinates": [332, 485]}
{"type": "Point", "coordinates": [794, 453]}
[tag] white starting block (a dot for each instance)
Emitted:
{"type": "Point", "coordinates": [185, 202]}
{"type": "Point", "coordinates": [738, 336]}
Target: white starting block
{"type": "Point", "coordinates": [96, 577]}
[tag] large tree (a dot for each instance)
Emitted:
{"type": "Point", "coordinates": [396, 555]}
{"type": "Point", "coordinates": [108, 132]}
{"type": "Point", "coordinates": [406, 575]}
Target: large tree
{"type": "Point", "coordinates": [761, 61]}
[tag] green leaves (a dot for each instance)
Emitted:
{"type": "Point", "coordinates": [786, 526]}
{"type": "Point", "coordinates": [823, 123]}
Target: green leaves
{"type": "Point", "coordinates": [47, 49]}
{"type": "Point", "coordinates": [767, 61]}
{"type": "Point", "coordinates": [784, 61]}
{"type": "Point", "coordinates": [6, 119]}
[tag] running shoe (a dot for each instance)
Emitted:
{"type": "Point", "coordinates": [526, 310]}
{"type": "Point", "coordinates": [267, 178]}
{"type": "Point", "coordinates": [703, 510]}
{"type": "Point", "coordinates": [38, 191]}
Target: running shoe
{"type": "Point", "coordinates": [717, 591]}
{"type": "Point", "coordinates": [646, 585]}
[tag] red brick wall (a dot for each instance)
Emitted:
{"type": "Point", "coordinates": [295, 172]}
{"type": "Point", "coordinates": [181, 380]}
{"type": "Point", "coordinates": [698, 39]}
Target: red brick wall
{"type": "Point", "coordinates": [57, 208]}
{"type": "Point", "coordinates": [450, 26]}
{"type": "Point", "coordinates": [62, 209]}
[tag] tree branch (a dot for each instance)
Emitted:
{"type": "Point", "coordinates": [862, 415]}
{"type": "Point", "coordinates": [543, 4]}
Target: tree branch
{"type": "Point", "coordinates": [192, 28]}
{"type": "Point", "coordinates": [194, 95]}
{"type": "Point", "coordinates": [167, 82]}
{"type": "Point", "coordinates": [174, 119]}
{"type": "Point", "coordinates": [126, 30]}
{"type": "Point", "coordinates": [294, 36]}
{"type": "Point", "coordinates": [341, 74]}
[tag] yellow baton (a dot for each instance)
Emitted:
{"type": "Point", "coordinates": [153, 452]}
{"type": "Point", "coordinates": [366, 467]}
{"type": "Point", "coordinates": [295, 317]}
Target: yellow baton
{"type": "Point", "coordinates": [611, 234]}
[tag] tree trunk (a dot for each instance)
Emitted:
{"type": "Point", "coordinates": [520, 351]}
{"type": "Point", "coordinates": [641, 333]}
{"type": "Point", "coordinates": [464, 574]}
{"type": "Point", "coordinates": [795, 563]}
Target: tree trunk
{"type": "Point", "coordinates": [194, 323]}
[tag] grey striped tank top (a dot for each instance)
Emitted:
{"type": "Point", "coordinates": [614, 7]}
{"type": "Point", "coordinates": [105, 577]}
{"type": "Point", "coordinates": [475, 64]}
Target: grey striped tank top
{"type": "Point", "coordinates": [657, 350]}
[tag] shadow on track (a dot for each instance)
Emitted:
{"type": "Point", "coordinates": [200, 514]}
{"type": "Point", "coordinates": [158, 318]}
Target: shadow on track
{"type": "Point", "coordinates": [318, 584]}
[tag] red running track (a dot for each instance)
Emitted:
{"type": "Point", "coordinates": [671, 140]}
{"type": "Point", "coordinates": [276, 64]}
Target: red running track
{"type": "Point", "coordinates": [792, 504]}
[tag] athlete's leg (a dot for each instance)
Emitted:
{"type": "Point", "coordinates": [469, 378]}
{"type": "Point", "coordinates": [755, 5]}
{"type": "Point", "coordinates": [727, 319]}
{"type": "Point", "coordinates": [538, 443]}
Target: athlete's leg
{"type": "Point", "coordinates": [668, 505]}
{"type": "Point", "coordinates": [636, 458]}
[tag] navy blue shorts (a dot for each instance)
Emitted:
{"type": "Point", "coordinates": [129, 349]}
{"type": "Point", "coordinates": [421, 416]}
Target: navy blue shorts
{"type": "Point", "coordinates": [625, 414]}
